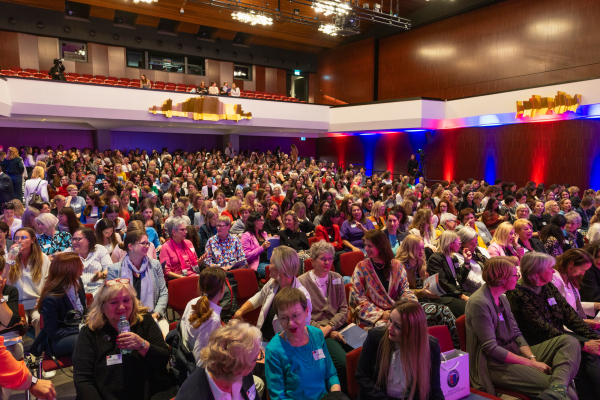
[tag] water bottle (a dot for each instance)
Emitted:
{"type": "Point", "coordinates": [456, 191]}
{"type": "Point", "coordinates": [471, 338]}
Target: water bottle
{"type": "Point", "coordinates": [15, 250]}
{"type": "Point", "coordinates": [122, 327]}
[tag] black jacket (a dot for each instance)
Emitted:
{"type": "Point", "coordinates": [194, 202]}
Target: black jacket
{"type": "Point", "coordinates": [437, 264]}
{"type": "Point", "coordinates": [182, 359]}
{"type": "Point", "coordinates": [12, 293]}
{"type": "Point", "coordinates": [589, 288]}
{"type": "Point", "coordinates": [54, 312]}
{"type": "Point", "coordinates": [368, 369]}
{"type": "Point", "coordinates": [536, 244]}
{"type": "Point", "coordinates": [136, 378]}
{"type": "Point", "coordinates": [7, 192]}
{"type": "Point", "coordinates": [296, 240]}
{"type": "Point", "coordinates": [412, 167]}
{"type": "Point", "coordinates": [13, 167]}
{"type": "Point", "coordinates": [197, 387]}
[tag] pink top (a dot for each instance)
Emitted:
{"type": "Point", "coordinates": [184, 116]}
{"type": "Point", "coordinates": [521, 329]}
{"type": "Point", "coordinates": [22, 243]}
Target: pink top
{"type": "Point", "coordinates": [169, 258]}
{"type": "Point", "coordinates": [252, 249]}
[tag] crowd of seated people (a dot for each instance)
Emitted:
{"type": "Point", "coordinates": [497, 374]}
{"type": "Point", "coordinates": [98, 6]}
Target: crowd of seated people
{"type": "Point", "coordinates": [122, 227]}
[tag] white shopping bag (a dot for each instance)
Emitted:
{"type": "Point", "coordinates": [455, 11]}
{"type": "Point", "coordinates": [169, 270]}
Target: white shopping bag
{"type": "Point", "coordinates": [454, 374]}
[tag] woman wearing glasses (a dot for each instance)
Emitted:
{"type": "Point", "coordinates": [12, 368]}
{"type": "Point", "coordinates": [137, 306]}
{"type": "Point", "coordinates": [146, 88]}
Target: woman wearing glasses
{"type": "Point", "coordinates": [178, 255]}
{"type": "Point", "coordinates": [500, 355]}
{"type": "Point", "coordinates": [96, 259]}
{"type": "Point", "coordinates": [284, 268]}
{"type": "Point", "coordinates": [62, 304]}
{"type": "Point", "coordinates": [27, 271]}
{"type": "Point", "coordinates": [297, 361]}
{"type": "Point", "coordinates": [145, 274]}
{"type": "Point", "coordinates": [100, 369]}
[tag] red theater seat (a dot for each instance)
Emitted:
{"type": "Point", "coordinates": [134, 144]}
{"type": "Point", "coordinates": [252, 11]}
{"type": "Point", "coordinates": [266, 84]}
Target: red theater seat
{"type": "Point", "coordinates": [136, 80]}
{"type": "Point", "coordinates": [89, 76]}
{"type": "Point", "coordinates": [113, 78]}
{"type": "Point", "coordinates": [124, 80]}
{"type": "Point", "coordinates": [44, 72]}
{"type": "Point", "coordinates": [73, 74]}
{"type": "Point", "coordinates": [39, 76]}
{"type": "Point", "coordinates": [100, 77]}
{"type": "Point", "coordinates": [125, 84]}
{"type": "Point", "coordinates": [16, 69]}
{"type": "Point", "coordinates": [97, 81]}
{"type": "Point", "coordinates": [7, 72]}
{"type": "Point", "coordinates": [71, 79]}
{"type": "Point", "coordinates": [109, 82]}
{"type": "Point", "coordinates": [24, 74]}
{"type": "Point", "coordinates": [31, 70]}
{"type": "Point", "coordinates": [82, 79]}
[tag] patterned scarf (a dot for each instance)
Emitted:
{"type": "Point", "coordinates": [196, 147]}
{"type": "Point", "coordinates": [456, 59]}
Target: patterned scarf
{"type": "Point", "coordinates": [147, 291]}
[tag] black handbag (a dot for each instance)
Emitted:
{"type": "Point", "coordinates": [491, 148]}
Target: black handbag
{"type": "Point", "coordinates": [35, 197]}
{"type": "Point", "coordinates": [229, 301]}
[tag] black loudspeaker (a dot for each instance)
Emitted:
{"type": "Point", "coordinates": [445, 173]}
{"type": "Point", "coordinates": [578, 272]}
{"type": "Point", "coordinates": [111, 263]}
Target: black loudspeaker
{"type": "Point", "coordinates": [430, 136]}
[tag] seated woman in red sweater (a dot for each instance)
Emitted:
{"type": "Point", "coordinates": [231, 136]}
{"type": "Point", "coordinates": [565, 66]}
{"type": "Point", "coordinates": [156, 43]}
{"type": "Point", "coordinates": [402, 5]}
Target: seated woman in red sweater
{"type": "Point", "coordinates": [330, 232]}
{"type": "Point", "coordinates": [491, 217]}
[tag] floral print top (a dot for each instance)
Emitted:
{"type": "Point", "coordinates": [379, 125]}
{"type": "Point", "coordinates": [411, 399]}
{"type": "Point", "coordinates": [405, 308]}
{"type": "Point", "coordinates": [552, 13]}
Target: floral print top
{"type": "Point", "coordinates": [54, 244]}
{"type": "Point", "coordinates": [223, 253]}
{"type": "Point", "coordinates": [368, 297]}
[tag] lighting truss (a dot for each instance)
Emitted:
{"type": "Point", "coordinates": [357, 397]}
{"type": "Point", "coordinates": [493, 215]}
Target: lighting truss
{"type": "Point", "coordinates": [328, 7]}
{"type": "Point", "coordinates": [278, 12]}
{"type": "Point", "coordinates": [252, 18]}
{"type": "Point", "coordinates": [329, 29]}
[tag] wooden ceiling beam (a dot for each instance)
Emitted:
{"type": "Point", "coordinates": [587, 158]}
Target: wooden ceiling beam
{"type": "Point", "coordinates": [102, 12]}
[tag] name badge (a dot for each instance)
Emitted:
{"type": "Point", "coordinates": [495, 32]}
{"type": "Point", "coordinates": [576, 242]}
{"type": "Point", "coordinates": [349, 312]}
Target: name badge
{"type": "Point", "coordinates": [251, 393]}
{"type": "Point", "coordinates": [318, 354]}
{"type": "Point", "coordinates": [46, 246]}
{"type": "Point", "coordinates": [551, 301]}
{"type": "Point", "coordinates": [353, 226]}
{"type": "Point", "coordinates": [114, 359]}
{"type": "Point", "coordinates": [337, 281]}
{"type": "Point", "coordinates": [501, 317]}
{"type": "Point", "coordinates": [543, 223]}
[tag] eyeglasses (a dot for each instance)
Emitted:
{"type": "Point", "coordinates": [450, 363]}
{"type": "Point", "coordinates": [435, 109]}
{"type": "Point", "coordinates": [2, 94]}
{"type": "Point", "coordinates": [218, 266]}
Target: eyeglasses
{"type": "Point", "coordinates": [222, 226]}
{"type": "Point", "coordinates": [286, 320]}
{"type": "Point", "coordinates": [144, 244]}
{"type": "Point", "coordinates": [76, 239]}
{"type": "Point", "coordinates": [21, 237]}
{"type": "Point", "coordinates": [113, 282]}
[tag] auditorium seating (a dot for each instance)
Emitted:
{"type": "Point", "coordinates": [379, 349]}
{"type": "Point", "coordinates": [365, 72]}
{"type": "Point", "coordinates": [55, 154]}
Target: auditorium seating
{"type": "Point", "coordinates": [127, 82]}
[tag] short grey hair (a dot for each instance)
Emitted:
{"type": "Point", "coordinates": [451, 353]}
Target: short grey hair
{"type": "Point", "coordinates": [467, 234]}
{"type": "Point", "coordinates": [321, 247]}
{"type": "Point", "coordinates": [173, 224]}
{"type": "Point", "coordinates": [46, 219]}
{"type": "Point", "coordinates": [573, 216]}
{"type": "Point", "coordinates": [285, 259]}
{"type": "Point", "coordinates": [533, 263]}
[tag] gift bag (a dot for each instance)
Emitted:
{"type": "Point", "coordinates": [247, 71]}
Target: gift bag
{"type": "Point", "coordinates": [454, 374]}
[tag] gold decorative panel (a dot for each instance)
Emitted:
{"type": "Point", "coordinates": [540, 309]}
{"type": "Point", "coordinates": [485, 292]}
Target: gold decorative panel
{"type": "Point", "coordinates": [202, 109]}
{"type": "Point", "coordinates": [538, 105]}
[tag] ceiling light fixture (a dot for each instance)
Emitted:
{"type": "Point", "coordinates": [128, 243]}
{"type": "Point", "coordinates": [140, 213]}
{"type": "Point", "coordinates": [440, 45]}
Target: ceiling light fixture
{"type": "Point", "coordinates": [329, 29]}
{"type": "Point", "coordinates": [252, 18]}
{"type": "Point", "coordinates": [328, 7]}
{"type": "Point", "coordinates": [145, 1]}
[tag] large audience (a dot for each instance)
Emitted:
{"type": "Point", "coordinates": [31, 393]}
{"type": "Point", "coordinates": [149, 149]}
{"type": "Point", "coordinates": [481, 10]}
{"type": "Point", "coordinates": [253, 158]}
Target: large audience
{"type": "Point", "coordinates": [92, 240]}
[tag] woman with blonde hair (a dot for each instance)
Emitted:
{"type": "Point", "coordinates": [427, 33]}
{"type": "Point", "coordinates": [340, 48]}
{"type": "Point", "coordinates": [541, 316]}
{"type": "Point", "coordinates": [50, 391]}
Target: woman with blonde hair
{"type": "Point", "coordinates": [421, 226]}
{"type": "Point", "coordinates": [13, 166]}
{"type": "Point", "coordinates": [378, 215]}
{"type": "Point", "coordinates": [451, 276]}
{"type": "Point", "coordinates": [36, 185]}
{"type": "Point", "coordinates": [232, 209]}
{"type": "Point", "coordinates": [506, 243]}
{"type": "Point", "coordinates": [27, 271]}
{"type": "Point", "coordinates": [226, 365]}
{"type": "Point", "coordinates": [108, 364]}
{"type": "Point", "coordinates": [292, 237]}
{"type": "Point", "coordinates": [400, 360]}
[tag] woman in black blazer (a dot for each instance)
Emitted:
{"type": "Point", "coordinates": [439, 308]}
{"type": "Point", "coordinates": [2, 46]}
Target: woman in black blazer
{"type": "Point", "coordinates": [291, 236]}
{"type": "Point", "coordinates": [451, 275]}
{"type": "Point", "coordinates": [386, 347]}
{"type": "Point", "coordinates": [62, 305]}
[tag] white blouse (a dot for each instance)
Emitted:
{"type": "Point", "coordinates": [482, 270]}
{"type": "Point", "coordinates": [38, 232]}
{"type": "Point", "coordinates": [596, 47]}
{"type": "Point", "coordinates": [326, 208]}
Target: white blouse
{"type": "Point", "coordinates": [197, 339]}
{"type": "Point", "coordinates": [29, 291]}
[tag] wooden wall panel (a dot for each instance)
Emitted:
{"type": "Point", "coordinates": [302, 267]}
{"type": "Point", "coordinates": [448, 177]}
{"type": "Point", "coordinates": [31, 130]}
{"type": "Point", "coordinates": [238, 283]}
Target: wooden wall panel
{"type": "Point", "coordinates": [116, 61]}
{"type": "Point", "coordinates": [271, 80]}
{"type": "Point", "coordinates": [226, 73]}
{"type": "Point", "coordinates": [259, 78]}
{"type": "Point", "coordinates": [510, 45]}
{"type": "Point", "coordinates": [347, 73]}
{"type": "Point", "coordinates": [239, 83]}
{"type": "Point", "coordinates": [9, 50]}
{"type": "Point", "coordinates": [281, 81]}
{"type": "Point", "coordinates": [311, 88]}
{"type": "Point", "coordinates": [213, 72]}
{"type": "Point", "coordinates": [47, 52]}
{"type": "Point", "coordinates": [99, 53]}
{"type": "Point", "coordinates": [28, 51]}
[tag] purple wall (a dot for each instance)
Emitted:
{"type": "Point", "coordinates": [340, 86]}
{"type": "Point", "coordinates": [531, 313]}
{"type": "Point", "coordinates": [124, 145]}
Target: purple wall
{"type": "Point", "coordinates": [17, 137]}
{"type": "Point", "coordinates": [156, 141]}
{"type": "Point", "coordinates": [306, 148]}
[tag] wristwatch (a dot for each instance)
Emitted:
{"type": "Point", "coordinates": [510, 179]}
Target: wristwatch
{"type": "Point", "coordinates": [2, 300]}
{"type": "Point", "coordinates": [143, 345]}
{"type": "Point", "coordinates": [532, 357]}
{"type": "Point", "coordinates": [33, 381]}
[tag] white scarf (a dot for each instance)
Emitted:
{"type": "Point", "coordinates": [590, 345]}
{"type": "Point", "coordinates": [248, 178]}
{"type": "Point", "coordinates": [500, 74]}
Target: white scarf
{"type": "Point", "coordinates": [147, 293]}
